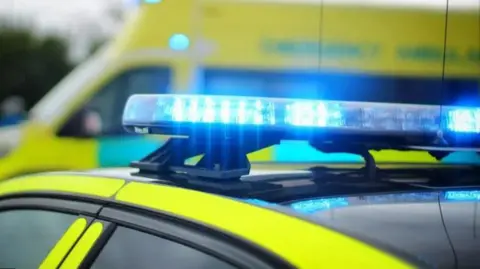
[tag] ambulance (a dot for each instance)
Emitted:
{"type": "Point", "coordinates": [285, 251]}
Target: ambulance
{"type": "Point", "coordinates": [301, 49]}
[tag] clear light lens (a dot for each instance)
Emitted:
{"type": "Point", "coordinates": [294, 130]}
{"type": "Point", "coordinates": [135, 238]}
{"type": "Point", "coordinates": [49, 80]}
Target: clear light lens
{"type": "Point", "coordinates": [363, 116]}
{"type": "Point", "coordinates": [291, 113]}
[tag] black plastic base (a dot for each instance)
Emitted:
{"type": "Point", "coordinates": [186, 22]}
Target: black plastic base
{"type": "Point", "coordinates": [224, 157]}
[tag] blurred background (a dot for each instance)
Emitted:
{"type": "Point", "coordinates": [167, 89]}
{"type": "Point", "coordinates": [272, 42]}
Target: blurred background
{"type": "Point", "coordinates": [42, 41]}
{"type": "Point", "coordinates": [67, 67]}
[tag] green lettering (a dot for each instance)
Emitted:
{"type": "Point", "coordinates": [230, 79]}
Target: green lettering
{"type": "Point", "coordinates": [473, 55]}
{"type": "Point", "coordinates": [452, 55]}
{"type": "Point", "coordinates": [341, 51]}
{"type": "Point", "coordinates": [310, 48]}
{"type": "Point", "coordinates": [427, 54]}
{"type": "Point", "coordinates": [285, 47]}
{"type": "Point", "coordinates": [327, 50]}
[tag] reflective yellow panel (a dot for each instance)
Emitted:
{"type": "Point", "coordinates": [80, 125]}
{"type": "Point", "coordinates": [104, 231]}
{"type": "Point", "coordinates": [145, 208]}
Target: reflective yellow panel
{"type": "Point", "coordinates": [95, 186]}
{"type": "Point", "coordinates": [81, 250]}
{"type": "Point", "coordinates": [61, 249]}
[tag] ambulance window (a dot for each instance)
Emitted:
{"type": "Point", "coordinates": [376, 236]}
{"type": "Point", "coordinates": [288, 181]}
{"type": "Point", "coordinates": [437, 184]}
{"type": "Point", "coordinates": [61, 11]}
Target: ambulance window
{"type": "Point", "coordinates": [134, 249]}
{"type": "Point", "coordinates": [348, 86]}
{"type": "Point", "coordinates": [27, 236]}
{"type": "Point", "coordinates": [110, 100]}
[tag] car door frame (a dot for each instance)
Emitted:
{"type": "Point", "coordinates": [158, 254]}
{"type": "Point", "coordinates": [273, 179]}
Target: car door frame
{"type": "Point", "coordinates": [217, 244]}
{"type": "Point", "coordinates": [83, 210]}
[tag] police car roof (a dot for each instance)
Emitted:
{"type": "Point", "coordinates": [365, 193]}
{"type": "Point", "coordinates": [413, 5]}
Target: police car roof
{"type": "Point", "coordinates": [407, 224]}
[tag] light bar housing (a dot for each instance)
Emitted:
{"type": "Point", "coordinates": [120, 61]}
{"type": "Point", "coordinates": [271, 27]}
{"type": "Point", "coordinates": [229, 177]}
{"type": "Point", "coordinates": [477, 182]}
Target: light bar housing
{"type": "Point", "coordinates": [182, 114]}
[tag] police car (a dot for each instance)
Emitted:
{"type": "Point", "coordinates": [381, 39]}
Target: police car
{"type": "Point", "coordinates": [168, 211]}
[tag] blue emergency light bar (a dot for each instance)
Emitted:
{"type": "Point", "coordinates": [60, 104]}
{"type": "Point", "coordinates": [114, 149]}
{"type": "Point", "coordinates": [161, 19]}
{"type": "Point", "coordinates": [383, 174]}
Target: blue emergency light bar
{"type": "Point", "coordinates": [148, 113]}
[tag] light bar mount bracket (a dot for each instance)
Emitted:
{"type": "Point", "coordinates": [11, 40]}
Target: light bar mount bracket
{"type": "Point", "coordinates": [370, 166]}
{"type": "Point", "coordinates": [224, 157]}
{"type": "Point", "coordinates": [224, 153]}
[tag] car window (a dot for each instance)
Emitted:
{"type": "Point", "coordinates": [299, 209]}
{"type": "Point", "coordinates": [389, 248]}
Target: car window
{"type": "Point", "coordinates": [110, 101]}
{"type": "Point", "coordinates": [129, 249]}
{"type": "Point", "coordinates": [27, 236]}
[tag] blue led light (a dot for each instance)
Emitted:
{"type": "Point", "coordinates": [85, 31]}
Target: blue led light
{"type": "Point", "coordinates": [462, 195]}
{"type": "Point", "coordinates": [200, 109]}
{"type": "Point", "coordinates": [279, 112]}
{"type": "Point", "coordinates": [463, 120]}
{"type": "Point", "coordinates": [179, 42]}
{"type": "Point", "coordinates": [148, 110]}
{"type": "Point", "coordinates": [316, 205]}
{"type": "Point", "coordinates": [311, 113]}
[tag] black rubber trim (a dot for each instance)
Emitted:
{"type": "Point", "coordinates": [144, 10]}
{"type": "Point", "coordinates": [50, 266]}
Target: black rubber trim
{"type": "Point", "coordinates": [51, 204]}
{"type": "Point", "coordinates": [194, 226]}
{"type": "Point", "coordinates": [76, 197]}
{"type": "Point", "coordinates": [98, 245]}
{"type": "Point", "coordinates": [194, 238]}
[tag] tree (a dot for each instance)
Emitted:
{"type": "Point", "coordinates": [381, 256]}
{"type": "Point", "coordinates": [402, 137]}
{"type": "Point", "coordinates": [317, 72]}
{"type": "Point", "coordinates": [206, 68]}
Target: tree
{"type": "Point", "coordinates": [30, 65]}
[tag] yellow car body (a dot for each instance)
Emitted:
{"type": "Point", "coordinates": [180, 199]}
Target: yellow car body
{"type": "Point", "coordinates": [104, 219]}
{"type": "Point", "coordinates": [98, 203]}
